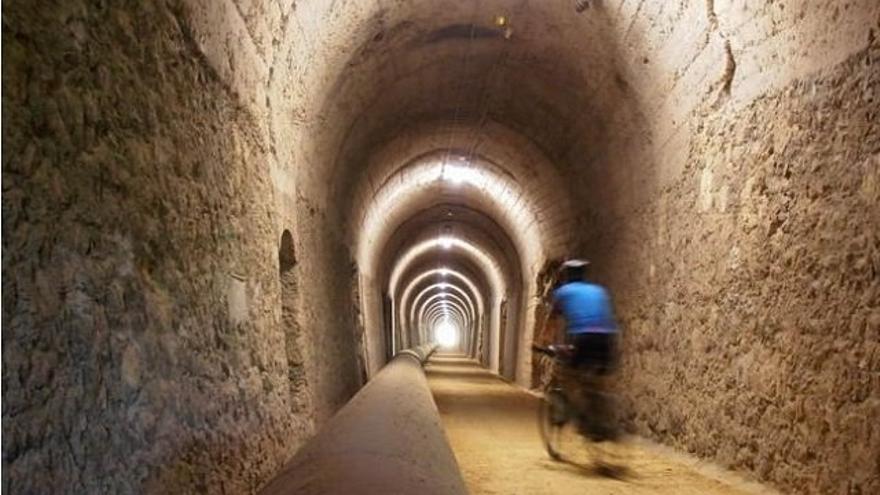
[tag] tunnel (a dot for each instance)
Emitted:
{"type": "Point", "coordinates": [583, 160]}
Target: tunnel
{"type": "Point", "coordinates": [223, 219]}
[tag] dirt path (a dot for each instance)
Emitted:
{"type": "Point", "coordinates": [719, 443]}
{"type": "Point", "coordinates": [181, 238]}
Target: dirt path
{"type": "Point", "coordinates": [492, 428]}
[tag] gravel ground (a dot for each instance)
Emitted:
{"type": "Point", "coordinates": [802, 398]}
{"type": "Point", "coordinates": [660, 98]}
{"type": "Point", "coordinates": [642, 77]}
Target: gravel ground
{"type": "Point", "coordinates": [492, 427]}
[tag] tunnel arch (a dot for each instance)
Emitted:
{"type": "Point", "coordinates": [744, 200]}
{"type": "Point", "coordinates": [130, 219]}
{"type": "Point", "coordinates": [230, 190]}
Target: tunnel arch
{"type": "Point", "coordinates": [423, 184]}
{"type": "Point", "coordinates": [475, 185]}
{"type": "Point", "coordinates": [157, 152]}
{"type": "Point", "coordinates": [443, 309]}
{"type": "Point", "coordinates": [445, 327]}
{"type": "Point", "coordinates": [435, 291]}
{"type": "Point", "coordinates": [463, 277]}
{"type": "Point", "coordinates": [469, 321]}
{"type": "Point", "coordinates": [635, 71]}
{"type": "Point", "coordinates": [483, 254]}
{"type": "Point", "coordinates": [448, 244]}
{"type": "Point", "coordinates": [432, 276]}
{"type": "Point", "coordinates": [506, 167]}
{"type": "Point", "coordinates": [487, 119]}
{"type": "Point", "coordinates": [487, 293]}
{"type": "Point", "coordinates": [489, 63]}
{"type": "Point", "coordinates": [496, 107]}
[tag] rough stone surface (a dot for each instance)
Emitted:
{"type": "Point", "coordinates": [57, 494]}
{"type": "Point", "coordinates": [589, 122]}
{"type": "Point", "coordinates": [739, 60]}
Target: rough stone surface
{"type": "Point", "coordinates": [143, 349]}
{"type": "Point", "coordinates": [749, 287]}
{"type": "Point", "coordinates": [719, 160]}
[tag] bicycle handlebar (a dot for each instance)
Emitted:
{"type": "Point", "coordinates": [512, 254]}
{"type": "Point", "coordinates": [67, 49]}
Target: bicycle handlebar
{"type": "Point", "coordinates": [553, 350]}
{"type": "Point", "coordinates": [542, 350]}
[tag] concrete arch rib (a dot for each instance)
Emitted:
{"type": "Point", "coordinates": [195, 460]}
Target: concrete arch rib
{"type": "Point", "coordinates": [467, 323]}
{"type": "Point", "coordinates": [418, 310]}
{"type": "Point", "coordinates": [486, 300]}
{"type": "Point", "coordinates": [527, 205]}
{"type": "Point", "coordinates": [406, 295]}
{"type": "Point", "coordinates": [461, 297]}
{"type": "Point", "coordinates": [484, 258]}
{"type": "Point", "coordinates": [451, 244]}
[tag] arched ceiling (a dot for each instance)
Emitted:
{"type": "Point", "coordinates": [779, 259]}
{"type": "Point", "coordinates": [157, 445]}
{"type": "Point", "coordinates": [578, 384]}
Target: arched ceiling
{"type": "Point", "coordinates": [539, 68]}
{"type": "Point", "coordinates": [534, 222]}
{"type": "Point", "coordinates": [451, 246]}
{"type": "Point", "coordinates": [466, 281]}
{"type": "Point", "coordinates": [525, 87]}
{"type": "Point", "coordinates": [437, 292]}
{"type": "Point", "coordinates": [426, 121]}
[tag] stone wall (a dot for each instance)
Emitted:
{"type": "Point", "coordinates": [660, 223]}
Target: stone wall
{"type": "Point", "coordinates": [747, 283]}
{"type": "Point", "coordinates": [155, 153]}
{"type": "Point", "coordinates": [324, 307]}
{"type": "Point", "coordinates": [142, 340]}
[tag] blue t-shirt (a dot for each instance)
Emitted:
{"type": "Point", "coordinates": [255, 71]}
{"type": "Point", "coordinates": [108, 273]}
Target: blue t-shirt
{"type": "Point", "coordinates": [586, 308]}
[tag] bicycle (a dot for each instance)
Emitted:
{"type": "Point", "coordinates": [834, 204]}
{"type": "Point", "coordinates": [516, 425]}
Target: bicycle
{"type": "Point", "coordinates": [591, 417]}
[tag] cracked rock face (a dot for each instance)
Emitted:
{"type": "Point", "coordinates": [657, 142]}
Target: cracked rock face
{"type": "Point", "coordinates": [189, 288]}
{"type": "Point", "coordinates": [140, 292]}
{"type": "Point", "coordinates": [748, 311]}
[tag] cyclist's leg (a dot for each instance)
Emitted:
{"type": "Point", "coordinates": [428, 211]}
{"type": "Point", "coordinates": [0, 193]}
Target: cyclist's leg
{"type": "Point", "coordinates": [594, 362]}
{"type": "Point", "coordinates": [605, 361]}
{"type": "Point", "coordinates": [580, 381]}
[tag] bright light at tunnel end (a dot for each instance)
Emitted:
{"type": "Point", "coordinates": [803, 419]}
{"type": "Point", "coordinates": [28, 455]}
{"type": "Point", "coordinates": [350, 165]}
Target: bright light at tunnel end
{"type": "Point", "coordinates": [446, 334]}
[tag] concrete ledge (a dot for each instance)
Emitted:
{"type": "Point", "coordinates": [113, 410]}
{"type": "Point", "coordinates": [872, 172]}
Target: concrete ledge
{"type": "Point", "coordinates": [388, 439]}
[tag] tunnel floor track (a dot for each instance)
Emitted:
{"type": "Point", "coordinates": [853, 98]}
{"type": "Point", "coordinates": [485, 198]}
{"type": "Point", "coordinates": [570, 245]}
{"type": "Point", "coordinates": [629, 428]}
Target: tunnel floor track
{"type": "Point", "coordinates": [492, 427]}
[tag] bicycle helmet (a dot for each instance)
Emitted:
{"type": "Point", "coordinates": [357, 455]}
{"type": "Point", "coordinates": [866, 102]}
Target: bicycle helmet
{"type": "Point", "coordinates": [575, 263]}
{"type": "Point", "coordinates": [574, 269]}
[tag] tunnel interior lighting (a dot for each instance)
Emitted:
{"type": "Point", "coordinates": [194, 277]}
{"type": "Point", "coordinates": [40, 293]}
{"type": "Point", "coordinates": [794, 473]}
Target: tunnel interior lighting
{"type": "Point", "coordinates": [457, 174]}
{"type": "Point", "coordinates": [446, 334]}
{"type": "Point", "coordinates": [445, 242]}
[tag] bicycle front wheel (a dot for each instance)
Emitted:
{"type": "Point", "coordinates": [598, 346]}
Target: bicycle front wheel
{"type": "Point", "coordinates": [554, 415]}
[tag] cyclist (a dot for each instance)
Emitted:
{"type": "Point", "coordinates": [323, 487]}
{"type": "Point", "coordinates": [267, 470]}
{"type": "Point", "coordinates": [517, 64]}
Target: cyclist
{"type": "Point", "coordinates": [592, 332]}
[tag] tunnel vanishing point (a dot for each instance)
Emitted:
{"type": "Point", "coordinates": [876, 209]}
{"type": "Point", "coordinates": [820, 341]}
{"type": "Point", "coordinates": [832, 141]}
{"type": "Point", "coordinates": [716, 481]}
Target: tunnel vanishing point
{"type": "Point", "coordinates": [221, 218]}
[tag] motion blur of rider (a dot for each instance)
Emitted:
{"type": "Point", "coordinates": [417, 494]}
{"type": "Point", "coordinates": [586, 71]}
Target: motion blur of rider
{"type": "Point", "coordinates": [591, 329]}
